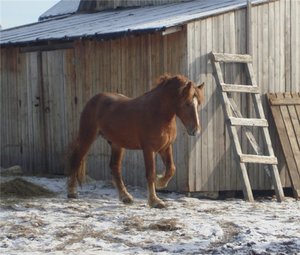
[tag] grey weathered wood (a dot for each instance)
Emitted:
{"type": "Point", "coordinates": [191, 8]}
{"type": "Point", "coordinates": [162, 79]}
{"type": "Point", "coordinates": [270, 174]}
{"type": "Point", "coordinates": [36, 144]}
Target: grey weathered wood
{"type": "Point", "coordinates": [231, 58]}
{"type": "Point", "coordinates": [239, 88]}
{"type": "Point", "coordinates": [281, 119]}
{"type": "Point", "coordinates": [249, 134]}
{"type": "Point", "coordinates": [248, 158]}
{"type": "Point", "coordinates": [248, 122]}
{"type": "Point", "coordinates": [285, 101]}
{"type": "Point", "coordinates": [234, 136]}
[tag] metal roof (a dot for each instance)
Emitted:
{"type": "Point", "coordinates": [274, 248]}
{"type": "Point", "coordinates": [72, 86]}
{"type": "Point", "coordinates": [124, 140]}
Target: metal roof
{"type": "Point", "coordinates": [63, 7]}
{"type": "Point", "coordinates": [116, 23]}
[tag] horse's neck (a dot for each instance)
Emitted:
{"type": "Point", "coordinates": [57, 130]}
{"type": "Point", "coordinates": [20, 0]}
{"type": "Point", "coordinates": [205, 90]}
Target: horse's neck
{"type": "Point", "coordinates": [164, 104]}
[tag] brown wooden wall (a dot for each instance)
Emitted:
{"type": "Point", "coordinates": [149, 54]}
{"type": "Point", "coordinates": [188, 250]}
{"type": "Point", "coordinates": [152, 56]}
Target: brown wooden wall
{"type": "Point", "coordinates": [42, 95]}
{"type": "Point", "coordinates": [276, 60]}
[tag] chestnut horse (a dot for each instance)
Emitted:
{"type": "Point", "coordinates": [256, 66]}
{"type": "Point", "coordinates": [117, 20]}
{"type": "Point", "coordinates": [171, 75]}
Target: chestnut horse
{"type": "Point", "coordinates": [145, 123]}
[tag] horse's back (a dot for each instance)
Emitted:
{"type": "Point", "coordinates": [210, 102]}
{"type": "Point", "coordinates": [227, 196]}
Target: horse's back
{"type": "Point", "coordinates": [116, 118]}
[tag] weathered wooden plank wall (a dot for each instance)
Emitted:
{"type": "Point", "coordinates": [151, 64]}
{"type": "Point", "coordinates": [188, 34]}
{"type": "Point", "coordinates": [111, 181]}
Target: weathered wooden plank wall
{"type": "Point", "coordinates": [275, 39]}
{"type": "Point", "coordinates": [42, 95]}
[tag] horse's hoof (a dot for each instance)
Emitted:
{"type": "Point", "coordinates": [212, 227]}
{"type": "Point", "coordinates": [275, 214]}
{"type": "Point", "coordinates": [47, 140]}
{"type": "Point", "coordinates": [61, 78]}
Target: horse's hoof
{"type": "Point", "coordinates": [73, 195]}
{"type": "Point", "coordinates": [157, 204]}
{"type": "Point", "coordinates": [160, 183]}
{"type": "Point", "coordinates": [126, 199]}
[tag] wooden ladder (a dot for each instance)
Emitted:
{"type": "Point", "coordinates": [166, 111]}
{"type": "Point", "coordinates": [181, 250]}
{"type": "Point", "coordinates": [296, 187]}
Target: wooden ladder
{"type": "Point", "coordinates": [234, 118]}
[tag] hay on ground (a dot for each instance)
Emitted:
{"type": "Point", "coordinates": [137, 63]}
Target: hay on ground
{"type": "Point", "coordinates": [21, 188]}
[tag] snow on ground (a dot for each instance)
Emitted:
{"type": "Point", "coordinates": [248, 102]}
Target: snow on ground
{"type": "Point", "coordinates": [97, 223]}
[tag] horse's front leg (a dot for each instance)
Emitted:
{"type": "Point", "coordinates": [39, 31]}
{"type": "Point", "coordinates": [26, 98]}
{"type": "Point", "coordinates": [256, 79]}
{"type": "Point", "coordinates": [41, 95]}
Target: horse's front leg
{"type": "Point", "coordinates": [153, 200]}
{"type": "Point", "coordinates": [116, 168]}
{"type": "Point", "coordinates": [167, 158]}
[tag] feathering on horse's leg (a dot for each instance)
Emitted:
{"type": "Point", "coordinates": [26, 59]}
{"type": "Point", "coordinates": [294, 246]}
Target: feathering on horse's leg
{"type": "Point", "coordinates": [117, 154]}
{"type": "Point", "coordinates": [153, 200]}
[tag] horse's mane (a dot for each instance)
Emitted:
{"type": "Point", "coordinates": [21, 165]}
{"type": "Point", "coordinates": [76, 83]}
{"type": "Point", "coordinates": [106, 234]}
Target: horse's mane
{"type": "Point", "coordinates": [163, 80]}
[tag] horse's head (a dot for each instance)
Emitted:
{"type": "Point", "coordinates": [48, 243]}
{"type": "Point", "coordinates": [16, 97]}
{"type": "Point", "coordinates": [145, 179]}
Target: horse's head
{"type": "Point", "coordinates": [191, 97]}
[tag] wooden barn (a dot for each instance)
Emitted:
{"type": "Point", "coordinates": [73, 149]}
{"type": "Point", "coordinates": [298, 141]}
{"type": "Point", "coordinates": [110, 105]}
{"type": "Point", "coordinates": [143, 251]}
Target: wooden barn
{"type": "Point", "coordinates": [49, 70]}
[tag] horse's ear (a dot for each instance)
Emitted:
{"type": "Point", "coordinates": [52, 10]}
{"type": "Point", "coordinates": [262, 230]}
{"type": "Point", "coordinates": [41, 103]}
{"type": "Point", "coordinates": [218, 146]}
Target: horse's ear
{"type": "Point", "coordinates": [187, 89]}
{"type": "Point", "coordinates": [201, 86]}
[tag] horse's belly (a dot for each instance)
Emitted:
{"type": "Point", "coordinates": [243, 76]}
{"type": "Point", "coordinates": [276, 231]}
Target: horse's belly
{"type": "Point", "coordinates": [122, 139]}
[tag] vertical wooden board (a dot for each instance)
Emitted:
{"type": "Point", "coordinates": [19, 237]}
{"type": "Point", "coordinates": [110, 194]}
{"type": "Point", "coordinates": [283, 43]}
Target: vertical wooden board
{"type": "Point", "coordinates": [287, 45]}
{"type": "Point", "coordinates": [53, 118]}
{"type": "Point", "coordinates": [115, 75]}
{"type": "Point", "coordinates": [79, 70]}
{"type": "Point", "coordinates": [8, 144]}
{"type": "Point", "coordinates": [210, 110]}
{"type": "Point", "coordinates": [50, 110]}
{"type": "Point", "coordinates": [6, 111]}
{"type": "Point", "coordinates": [30, 84]}
{"type": "Point", "coordinates": [275, 23]}
{"type": "Point", "coordinates": [281, 61]}
{"type": "Point", "coordinates": [149, 61]}
{"type": "Point", "coordinates": [61, 119]}
{"type": "Point", "coordinates": [204, 109]}
{"type": "Point", "coordinates": [70, 92]}
{"type": "Point", "coordinates": [219, 124]}
{"type": "Point", "coordinates": [295, 46]}
{"type": "Point", "coordinates": [13, 134]}
{"type": "Point", "coordinates": [18, 106]}
{"type": "Point", "coordinates": [5, 107]}
{"type": "Point", "coordinates": [23, 110]}
{"type": "Point", "coordinates": [37, 114]}
{"type": "Point", "coordinates": [271, 52]}
{"type": "Point", "coordinates": [229, 46]}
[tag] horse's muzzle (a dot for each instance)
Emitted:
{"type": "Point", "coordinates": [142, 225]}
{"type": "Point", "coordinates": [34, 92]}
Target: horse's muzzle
{"type": "Point", "coordinates": [194, 131]}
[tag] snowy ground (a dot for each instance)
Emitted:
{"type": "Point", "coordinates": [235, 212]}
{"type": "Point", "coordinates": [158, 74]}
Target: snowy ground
{"type": "Point", "coordinates": [97, 223]}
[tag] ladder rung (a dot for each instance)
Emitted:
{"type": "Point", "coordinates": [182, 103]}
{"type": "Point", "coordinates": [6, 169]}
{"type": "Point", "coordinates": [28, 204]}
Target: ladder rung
{"type": "Point", "coordinates": [239, 88]}
{"type": "Point", "coordinates": [248, 158]}
{"type": "Point", "coordinates": [248, 122]}
{"type": "Point", "coordinates": [232, 58]}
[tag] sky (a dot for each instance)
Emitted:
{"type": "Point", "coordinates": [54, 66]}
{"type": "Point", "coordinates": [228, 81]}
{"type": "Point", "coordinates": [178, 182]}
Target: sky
{"type": "Point", "coordinates": [19, 12]}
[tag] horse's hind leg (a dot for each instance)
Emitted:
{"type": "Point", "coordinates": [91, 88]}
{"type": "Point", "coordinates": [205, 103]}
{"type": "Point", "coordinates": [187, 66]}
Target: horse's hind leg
{"type": "Point", "coordinates": [117, 154]}
{"type": "Point", "coordinates": [76, 158]}
{"type": "Point", "coordinates": [167, 158]}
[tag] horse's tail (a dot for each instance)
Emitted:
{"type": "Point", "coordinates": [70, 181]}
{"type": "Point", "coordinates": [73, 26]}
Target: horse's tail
{"type": "Point", "coordinates": [75, 166]}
